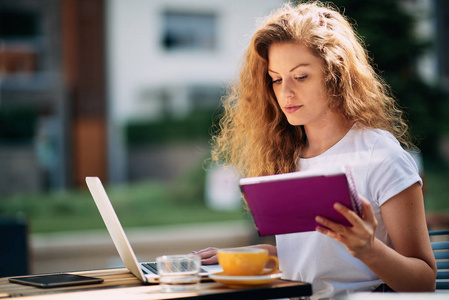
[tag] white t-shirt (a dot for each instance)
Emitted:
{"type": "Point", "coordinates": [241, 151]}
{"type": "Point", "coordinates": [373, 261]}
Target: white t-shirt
{"type": "Point", "coordinates": [381, 169]}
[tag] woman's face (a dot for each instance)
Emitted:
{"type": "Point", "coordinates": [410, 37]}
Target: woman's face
{"type": "Point", "coordinates": [298, 83]}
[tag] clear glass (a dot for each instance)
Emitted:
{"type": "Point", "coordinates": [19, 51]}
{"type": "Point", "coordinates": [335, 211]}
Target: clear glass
{"type": "Point", "coordinates": [179, 273]}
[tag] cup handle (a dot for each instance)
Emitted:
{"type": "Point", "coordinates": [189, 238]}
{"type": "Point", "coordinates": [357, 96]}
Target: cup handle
{"type": "Point", "coordinates": [275, 268]}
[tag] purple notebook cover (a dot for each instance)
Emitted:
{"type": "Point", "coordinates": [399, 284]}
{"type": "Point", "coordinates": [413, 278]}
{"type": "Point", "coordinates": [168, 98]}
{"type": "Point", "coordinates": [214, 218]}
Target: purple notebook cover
{"type": "Point", "coordinates": [291, 205]}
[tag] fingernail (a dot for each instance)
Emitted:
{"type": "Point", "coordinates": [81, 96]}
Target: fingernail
{"type": "Point", "coordinates": [338, 205]}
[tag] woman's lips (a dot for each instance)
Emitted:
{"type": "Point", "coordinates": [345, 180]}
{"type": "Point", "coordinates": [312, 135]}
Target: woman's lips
{"type": "Point", "coordinates": [289, 109]}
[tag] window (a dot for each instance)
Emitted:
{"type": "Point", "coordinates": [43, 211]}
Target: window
{"type": "Point", "coordinates": [189, 31]}
{"type": "Point", "coordinates": [19, 46]}
{"type": "Point", "coordinates": [17, 24]}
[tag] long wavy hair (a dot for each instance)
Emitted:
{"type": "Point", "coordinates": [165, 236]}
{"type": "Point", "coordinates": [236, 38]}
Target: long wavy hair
{"type": "Point", "coordinates": [254, 135]}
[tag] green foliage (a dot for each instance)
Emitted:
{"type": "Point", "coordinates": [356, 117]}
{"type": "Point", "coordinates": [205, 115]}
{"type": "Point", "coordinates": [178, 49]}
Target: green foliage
{"type": "Point", "coordinates": [427, 109]}
{"type": "Point", "coordinates": [388, 32]}
{"type": "Point", "coordinates": [189, 189]}
{"type": "Point", "coordinates": [149, 203]}
{"type": "Point", "coordinates": [194, 126]}
{"type": "Point", "coordinates": [436, 187]}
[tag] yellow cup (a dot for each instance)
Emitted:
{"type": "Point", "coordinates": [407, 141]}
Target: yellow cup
{"type": "Point", "coordinates": [246, 261]}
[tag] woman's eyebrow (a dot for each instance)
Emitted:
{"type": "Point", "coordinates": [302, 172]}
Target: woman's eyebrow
{"type": "Point", "coordinates": [292, 69]}
{"type": "Point", "coordinates": [299, 65]}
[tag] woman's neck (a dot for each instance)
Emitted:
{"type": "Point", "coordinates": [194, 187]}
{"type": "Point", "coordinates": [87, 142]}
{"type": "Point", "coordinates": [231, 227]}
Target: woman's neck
{"type": "Point", "coordinates": [321, 137]}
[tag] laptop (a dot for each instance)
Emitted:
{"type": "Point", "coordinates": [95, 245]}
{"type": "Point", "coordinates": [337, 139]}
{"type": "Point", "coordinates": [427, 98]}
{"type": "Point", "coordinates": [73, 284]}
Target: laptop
{"type": "Point", "coordinates": [146, 272]}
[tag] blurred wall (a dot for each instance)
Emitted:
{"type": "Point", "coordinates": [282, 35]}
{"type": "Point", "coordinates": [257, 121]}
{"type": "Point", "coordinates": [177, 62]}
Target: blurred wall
{"type": "Point", "coordinates": [159, 52]}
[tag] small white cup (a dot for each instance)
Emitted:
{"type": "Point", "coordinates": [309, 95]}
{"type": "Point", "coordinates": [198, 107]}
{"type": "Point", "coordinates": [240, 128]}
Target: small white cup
{"type": "Point", "coordinates": [179, 273]}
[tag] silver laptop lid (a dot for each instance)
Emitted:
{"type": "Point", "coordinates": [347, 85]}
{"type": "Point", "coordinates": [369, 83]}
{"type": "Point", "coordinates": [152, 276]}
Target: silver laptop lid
{"type": "Point", "coordinates": [114, 227]}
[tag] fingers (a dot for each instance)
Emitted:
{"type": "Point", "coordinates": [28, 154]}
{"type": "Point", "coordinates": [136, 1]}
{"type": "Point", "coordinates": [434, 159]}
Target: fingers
{"type": "Point", "coordinates": [339, 231]}
{"type": "Point", "coordinates": [205, 253]}
{"type": "Point", "coordinates": [367, 209]}
{"type": "Point", "coordinates": [349, 214]}
{"type": "Point", "coordinates": [331, 229]}
{"type": "Point", "coordinates": [357, 238]}
{"type": "Point", "coordinates": [353, 217]}
{"type": "Point", "coordinates": [210, 261]}
{"type": "Point", "coordinates": [327, 231]}
{"type": "Point", "coordinates": [208, 255]}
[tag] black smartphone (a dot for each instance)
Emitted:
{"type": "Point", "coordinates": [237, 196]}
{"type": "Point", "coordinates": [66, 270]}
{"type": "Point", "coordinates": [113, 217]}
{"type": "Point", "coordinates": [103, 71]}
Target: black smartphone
{"type": "Point", "coordinates": [55, 280]}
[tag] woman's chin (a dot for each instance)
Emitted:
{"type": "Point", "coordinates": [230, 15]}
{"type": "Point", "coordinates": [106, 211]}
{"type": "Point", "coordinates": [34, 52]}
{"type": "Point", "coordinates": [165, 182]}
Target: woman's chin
{"type": "Point", "coordinates": [294, 122]}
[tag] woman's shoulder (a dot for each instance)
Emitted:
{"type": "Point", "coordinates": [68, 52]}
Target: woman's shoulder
{"type": "Point", "coordinates": [375, 138]}
{"type": "Point", "coordinates": [383, 148]}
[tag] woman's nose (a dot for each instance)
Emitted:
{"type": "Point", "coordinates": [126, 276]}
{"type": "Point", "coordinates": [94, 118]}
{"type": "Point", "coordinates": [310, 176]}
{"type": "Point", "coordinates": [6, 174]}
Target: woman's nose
{"type": "Point", "coordinates": [287, 89]}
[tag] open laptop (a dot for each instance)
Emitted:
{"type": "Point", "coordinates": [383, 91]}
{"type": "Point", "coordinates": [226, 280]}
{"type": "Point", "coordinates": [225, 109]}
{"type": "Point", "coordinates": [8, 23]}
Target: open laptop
{"type": "Point", "coordinates": [146, 271]}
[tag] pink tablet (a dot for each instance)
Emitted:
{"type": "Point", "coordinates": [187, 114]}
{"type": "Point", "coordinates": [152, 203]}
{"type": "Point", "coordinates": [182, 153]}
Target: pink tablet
{"type": "Point", "coordinates": [288, 203]}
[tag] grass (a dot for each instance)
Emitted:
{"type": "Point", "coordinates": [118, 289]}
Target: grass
{"type": "Point", "coordinates": [141, 204]}
{"type": "Point", "coordinates": [154, 203]}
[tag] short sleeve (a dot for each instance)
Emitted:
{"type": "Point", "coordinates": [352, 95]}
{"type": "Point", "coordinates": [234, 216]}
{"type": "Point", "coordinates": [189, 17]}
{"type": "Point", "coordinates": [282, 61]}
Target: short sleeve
{"type": "Point", "coordinates": [391, 170]}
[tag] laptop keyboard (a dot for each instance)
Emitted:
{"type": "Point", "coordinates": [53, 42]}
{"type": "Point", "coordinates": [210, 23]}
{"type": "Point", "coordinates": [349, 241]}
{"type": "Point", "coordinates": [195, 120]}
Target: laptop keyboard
{"type": "Point", "coordinates": [152, 266]}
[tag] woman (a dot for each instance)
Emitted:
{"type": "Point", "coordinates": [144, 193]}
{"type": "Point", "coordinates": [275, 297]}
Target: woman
{"type": "Point", "coordinates": [308, 99]}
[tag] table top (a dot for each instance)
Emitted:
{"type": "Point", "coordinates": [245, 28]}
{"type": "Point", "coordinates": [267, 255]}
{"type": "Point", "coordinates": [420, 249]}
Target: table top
{"type": "Point", "coordinates": [398, 296]}
{"type": "Point", "coordinates": [121, 284]}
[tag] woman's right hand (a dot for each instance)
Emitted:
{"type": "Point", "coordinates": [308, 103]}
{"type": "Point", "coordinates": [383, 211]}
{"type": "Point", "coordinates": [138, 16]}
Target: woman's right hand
{"type": "Point", "coordinates": [208, 255]}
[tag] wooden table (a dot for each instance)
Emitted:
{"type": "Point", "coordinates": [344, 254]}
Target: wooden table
{"type": "Point", "coordinates": [121, 284]}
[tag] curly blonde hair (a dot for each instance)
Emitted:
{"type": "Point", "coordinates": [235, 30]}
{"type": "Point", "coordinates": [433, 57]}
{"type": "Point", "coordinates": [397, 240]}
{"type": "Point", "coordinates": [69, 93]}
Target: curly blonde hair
{"type": "Point", "coordinates": [255, 136]}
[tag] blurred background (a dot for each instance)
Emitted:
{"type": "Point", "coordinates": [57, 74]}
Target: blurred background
{"type": "Point", "coordinates": [129, 91]}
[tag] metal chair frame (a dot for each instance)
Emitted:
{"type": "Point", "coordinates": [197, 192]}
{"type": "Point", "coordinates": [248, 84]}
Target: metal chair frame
{"type": "Point", "coordinates": [441, 252]}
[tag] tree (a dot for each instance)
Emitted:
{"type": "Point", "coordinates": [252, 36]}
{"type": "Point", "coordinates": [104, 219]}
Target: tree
{"type": "Point", "coordinates": [388, 32]}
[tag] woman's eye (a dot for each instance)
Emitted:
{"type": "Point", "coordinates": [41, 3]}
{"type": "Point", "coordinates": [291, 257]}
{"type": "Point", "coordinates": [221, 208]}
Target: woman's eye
{"type": "Point", "coordinates": [276, 81]}
{"type": "Point", "coordinates": [301, 78]}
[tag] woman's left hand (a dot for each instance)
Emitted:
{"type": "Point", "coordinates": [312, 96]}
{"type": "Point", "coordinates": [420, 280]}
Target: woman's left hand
{"type": "Point", "coordinates": [359, 238]}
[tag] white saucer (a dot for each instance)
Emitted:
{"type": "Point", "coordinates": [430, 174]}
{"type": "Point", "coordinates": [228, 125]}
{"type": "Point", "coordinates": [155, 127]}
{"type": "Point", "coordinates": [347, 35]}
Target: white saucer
{"type": "Point", "coordinates": [244, 280]}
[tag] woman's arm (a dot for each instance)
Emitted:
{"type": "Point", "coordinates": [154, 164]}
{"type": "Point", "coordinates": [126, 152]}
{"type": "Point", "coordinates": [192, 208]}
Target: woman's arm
{"type": "Point", "coordinates": [209, 255]}
{"type": "Point", "coordinates": [411, 265]}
